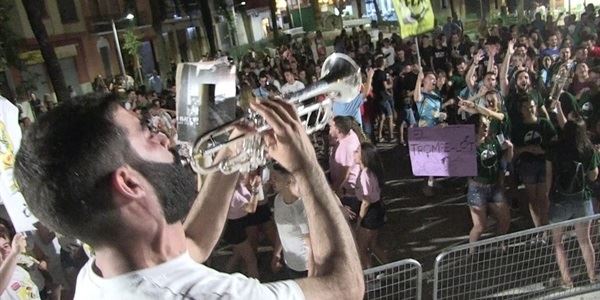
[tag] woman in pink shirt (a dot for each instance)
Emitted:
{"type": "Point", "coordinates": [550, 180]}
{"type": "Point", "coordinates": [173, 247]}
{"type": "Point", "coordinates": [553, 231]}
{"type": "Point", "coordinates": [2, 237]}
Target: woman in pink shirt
{"type": "Point", "coordinates": [372, 212]}
{"type": "Point", "coordinates": [244, 201]}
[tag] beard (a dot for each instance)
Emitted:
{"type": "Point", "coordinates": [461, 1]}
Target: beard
{"type": "Point", "coordinates": [173, 183]}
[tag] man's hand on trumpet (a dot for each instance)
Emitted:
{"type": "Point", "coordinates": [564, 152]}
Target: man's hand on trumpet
{"type": "Point", "coordinates": [286, 142]}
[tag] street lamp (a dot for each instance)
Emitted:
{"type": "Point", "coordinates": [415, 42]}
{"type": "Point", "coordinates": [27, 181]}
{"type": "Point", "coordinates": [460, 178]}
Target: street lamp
{"type": "Point", "coordinates": [233, 33]}
{"type": "Point", "coordinates": [114, 28]}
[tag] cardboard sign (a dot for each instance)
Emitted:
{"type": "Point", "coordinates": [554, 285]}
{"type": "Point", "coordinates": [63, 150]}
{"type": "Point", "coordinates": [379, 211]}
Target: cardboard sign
{"type": "Point", "coordinates": [448, 151]}
{"type": "Point", "coordinates": [11, 197]}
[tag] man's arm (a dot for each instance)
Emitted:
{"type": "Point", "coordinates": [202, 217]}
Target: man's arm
{"type": "Point", "coordinates": [504, 68]}
{"type": "Point", "coordinates": [369, 83]}
{"type": "Point", "coordinates": [469, 78]}
{"type": "Point", "coordinates": [417, 90]}
{"type": "Point", "coordinates": [206, 219]}
{"type": "Point", "coordinates": [337, 269]}
{"type": "Point", "coordinates": [10, 263]}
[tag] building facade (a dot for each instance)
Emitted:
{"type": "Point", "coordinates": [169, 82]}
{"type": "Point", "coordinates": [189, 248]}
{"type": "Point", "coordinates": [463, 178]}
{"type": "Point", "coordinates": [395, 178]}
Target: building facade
{"type": "Point", "coordinates": [82, 36]}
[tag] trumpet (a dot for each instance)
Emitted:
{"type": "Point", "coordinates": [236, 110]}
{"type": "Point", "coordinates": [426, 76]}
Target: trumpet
{"type": "Point", "coordinates": [561, 79]}
{"type": "Point", "coordinates": [340, 81]}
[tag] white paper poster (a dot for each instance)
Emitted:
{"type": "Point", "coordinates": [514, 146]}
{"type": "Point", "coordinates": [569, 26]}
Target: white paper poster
{"type": "Point", "coordinates": [10, 196]}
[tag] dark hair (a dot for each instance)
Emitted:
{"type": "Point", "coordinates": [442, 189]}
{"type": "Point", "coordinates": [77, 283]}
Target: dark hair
{"type": "Point", "coordinates": [65, 163]}
{"type": "Point", "coordinates": [476, 120]}
{"type": "Point", "coordinates": [489, 73]}
{"type": "Point", "coordinates": [379, 62]}
{"type": "Point", "coordinates": [370, 159]}
{"type": "Point", "coordinates": [343, 123]}
{"type": "Point", "coordinates": [574, 141]}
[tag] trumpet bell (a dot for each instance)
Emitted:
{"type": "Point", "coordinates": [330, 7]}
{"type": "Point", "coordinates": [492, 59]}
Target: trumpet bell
{"type": "Point", "coordinates": [343, 76]}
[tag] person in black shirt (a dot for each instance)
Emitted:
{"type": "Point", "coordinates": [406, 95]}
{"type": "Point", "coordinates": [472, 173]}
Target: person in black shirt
{"type": "Point", "coordinates": [426, 52]}
{"type": "Point", "coordinates": [403, 87]}
{"type": "Point", "coordinates": [381, 84]}
{"type": "Point", "coordinates": [440, 55]}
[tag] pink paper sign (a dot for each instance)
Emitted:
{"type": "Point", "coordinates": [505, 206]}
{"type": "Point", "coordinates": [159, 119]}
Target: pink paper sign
{"type": "Point", "coordinates": [448, 151]}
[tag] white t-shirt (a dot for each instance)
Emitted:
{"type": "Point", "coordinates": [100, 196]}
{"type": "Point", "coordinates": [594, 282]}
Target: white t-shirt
{"type": "Point", "coordinates": [292, 227]}
{"type": "Point", "coordinates": [20, 287]}
{"type": "Point", "coordinates": [180, 278]}
{"type": "Point", "coordinates": [390, 52]}
{"type": "Point", "coordinates": [290, 88]}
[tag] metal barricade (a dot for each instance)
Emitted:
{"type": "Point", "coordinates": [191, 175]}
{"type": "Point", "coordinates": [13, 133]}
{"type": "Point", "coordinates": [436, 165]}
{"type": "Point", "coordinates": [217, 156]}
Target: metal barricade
{"type": "Point", "coordinates": [521, 265]}
{"type": "Point", "coordinates": [397, 280]}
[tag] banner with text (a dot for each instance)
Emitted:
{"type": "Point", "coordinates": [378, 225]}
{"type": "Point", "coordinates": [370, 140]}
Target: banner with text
{"type": "Point", "coordinates": [414, 17]}
{"type": "Point", "coordinates": [10, 196]}
{"type": "Point", "coordinates": [448, 151]}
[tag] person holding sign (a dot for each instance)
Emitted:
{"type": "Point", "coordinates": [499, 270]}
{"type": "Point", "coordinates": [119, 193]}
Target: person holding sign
{"type": "Point", "coordinates": [429, 104]}
{"type": "Point", "coordinates": [95, 172]}
{"type": "Point", "coordinates": [485, 191]}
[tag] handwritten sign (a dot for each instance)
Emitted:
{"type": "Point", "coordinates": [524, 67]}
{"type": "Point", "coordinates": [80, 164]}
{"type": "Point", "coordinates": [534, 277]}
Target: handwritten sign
{"type": "Point", "coordinates": [448, 151]}
{"type": "Point", "coordinates": [10, 196]}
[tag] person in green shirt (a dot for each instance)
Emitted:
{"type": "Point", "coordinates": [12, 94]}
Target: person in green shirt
{"type": "Point", "coordinates": [531, 136]}
{"type": "Point", "coordinates": [485, 190]}
{"type": "Point", "coordinates": [571, 164]}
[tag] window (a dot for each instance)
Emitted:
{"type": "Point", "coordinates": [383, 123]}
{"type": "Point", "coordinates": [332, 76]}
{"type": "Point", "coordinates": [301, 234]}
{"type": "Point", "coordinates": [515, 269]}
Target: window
{"type": "Point", "coordinates": [68, 11]}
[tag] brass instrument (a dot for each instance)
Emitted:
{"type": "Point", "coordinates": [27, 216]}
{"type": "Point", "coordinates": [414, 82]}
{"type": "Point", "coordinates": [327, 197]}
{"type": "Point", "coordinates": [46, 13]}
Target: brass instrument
{"type": "Point", "coordinates": [340, 81]}
{"type": "Point", "coordinates": [561, 79]}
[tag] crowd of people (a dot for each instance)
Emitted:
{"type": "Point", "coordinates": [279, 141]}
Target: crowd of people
{"type": "Point", "coordinates": [530, 91]}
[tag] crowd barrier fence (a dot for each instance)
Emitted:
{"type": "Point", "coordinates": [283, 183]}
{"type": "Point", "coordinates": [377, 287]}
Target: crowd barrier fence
{"type": "Point", "coordinates": [520, 265]}
{"type": "Point", "coordinates": [397, 280]}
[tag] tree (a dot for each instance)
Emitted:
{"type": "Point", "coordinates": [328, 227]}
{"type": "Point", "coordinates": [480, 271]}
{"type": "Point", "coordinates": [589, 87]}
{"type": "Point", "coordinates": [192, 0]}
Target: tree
{"type": "Point", "coordinates": [9, 52]}
{"type": "Point", "coordinates": [317, 12]}
{"type": "Point", "coordinates": [274, 27]}
{"type": "Point", "coordinates": [159, 15]}
{"type": "Point", "coordinates": [131, 46]}
{"type": "Point", "coordinates": [208, 25]}
{"type": "Point", "coordinates": [34, 14]}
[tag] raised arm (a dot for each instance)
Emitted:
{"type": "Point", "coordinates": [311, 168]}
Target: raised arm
{"type": "Point", "coordinates": [206, 219]}
{"type": "Point", "coordinates": [10, 262]}
{"type": "Point", "coordinates": [469, 78]}
{"type": "Point", "coordinates": [417, 91]}
{"type": "Point", "coordinates": [368, 84]}
{"type": "Point", "coordinates": [504, 82]}
{"type": "Point", "coordinates": [337, 270]}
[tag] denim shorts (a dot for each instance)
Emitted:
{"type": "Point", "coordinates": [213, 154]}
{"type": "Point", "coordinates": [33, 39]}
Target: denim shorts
{"type": "Point", "coordinates": [568, 210]}
{"type": "Point", "coordinates": [482, 194]}
{"type": "Point", "coordinates": [408, 116]}
{"type": "Point", "coordinates": [385, 107]}
{"type": "Point", "coordinates": [532, 172]}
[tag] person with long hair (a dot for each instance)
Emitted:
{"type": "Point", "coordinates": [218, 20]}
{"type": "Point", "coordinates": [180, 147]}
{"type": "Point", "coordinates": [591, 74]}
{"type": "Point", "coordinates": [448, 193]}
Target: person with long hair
{"type": "Point", "coordinates": [244, 201]}
{"type": "Point", "coordinates": [570, 167]}
{"type": "Point", "coordinates": [485, 191]}
{"type": "Point", "coordinates": [531, 136]}
{"type": "Point", "coordinates": [371, 216]}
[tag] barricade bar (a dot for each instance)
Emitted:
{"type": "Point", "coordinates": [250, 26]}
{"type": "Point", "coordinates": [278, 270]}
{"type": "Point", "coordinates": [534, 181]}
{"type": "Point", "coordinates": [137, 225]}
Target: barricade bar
{"type": "Point", "coordinates": [398, 280]}
{"type": "Point", "coordinates": [520, 265]}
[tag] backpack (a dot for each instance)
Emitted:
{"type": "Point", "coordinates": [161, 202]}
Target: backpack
{"type": "Point", "coordinates": [570, 178]}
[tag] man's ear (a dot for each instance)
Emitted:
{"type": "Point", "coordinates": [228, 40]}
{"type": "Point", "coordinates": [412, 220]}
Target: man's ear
{"type": "Point", "coordinates": [127, 183]}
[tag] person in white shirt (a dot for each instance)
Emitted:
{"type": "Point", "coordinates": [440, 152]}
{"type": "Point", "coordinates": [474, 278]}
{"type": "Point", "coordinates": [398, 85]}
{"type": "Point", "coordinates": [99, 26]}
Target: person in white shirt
{"type": "Point", "coordinates": [117, 186]}
{"type": "Point", "coordinates": [292, 227]}
{"type": "Point", "coordinates": [292, 85]}
{"type": "Point", "coordinates": [15, 282]}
